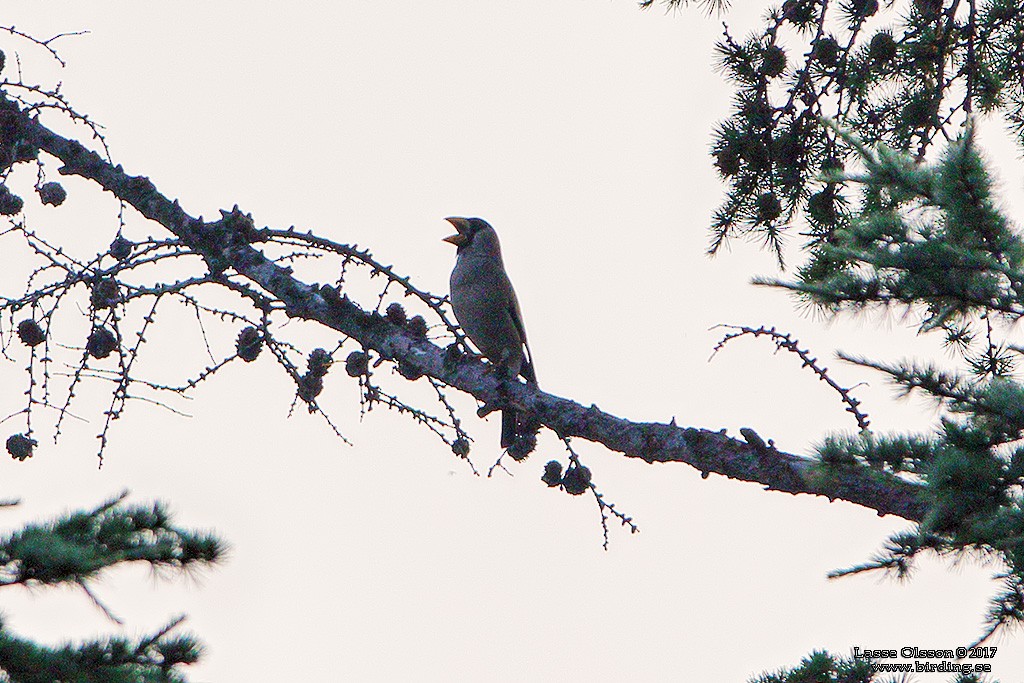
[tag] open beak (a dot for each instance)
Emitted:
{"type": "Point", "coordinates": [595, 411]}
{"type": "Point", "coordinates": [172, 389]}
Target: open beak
{"type": "Point", "coordinates": [458, 238]}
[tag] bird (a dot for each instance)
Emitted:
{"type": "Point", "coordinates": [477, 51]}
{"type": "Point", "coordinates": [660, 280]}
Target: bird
{"type": "Point", "coordinates": [486, 307]}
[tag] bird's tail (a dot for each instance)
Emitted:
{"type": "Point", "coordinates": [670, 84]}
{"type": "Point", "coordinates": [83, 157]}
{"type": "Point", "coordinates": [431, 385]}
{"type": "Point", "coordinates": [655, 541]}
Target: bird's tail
{"type": "Point", "coordinates": [508, 427]}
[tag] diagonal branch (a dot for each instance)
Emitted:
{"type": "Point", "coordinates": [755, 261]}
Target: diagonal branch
{"type": "Point", "coordinates": [227, 244]}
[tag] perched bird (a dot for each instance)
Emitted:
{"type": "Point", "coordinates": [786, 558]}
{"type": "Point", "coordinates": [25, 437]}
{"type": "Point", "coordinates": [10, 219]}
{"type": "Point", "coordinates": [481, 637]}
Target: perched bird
{"type": "Point", "coordinates": [487, 309]}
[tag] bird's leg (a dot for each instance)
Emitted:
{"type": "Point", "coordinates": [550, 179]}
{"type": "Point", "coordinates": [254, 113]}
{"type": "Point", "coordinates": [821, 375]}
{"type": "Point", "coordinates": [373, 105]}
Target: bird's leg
{"type": "Point", "coordinates": [503, 373]}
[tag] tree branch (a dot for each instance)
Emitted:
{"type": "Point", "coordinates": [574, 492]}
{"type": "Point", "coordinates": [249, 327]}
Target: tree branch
{"type": "Point", "coordinates": [228, 244]}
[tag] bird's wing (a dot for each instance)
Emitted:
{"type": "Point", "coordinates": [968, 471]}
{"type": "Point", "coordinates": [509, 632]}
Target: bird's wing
{"type": "Point", "coordinates": [527, 371]}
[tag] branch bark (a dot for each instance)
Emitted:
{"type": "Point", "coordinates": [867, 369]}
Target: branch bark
{"type": "Point", "coordinates": [229, 244]}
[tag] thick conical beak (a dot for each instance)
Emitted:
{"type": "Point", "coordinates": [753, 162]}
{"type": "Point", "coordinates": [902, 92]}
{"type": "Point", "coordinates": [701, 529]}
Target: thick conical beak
{"type": "Point", "coordinates": [459, 238]}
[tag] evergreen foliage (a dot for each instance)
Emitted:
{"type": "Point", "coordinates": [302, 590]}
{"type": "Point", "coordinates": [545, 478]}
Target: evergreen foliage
{"type": "Point", "coordinates": [75, 549]}
{"type": "Point", "coordinates": [929, 239]}
{"type": "Point", "coordinates": [839, 108]}
{"type": "Point", "coordinates": [903, 73]}
{"type": "Point", "coordinates": [822, 667]}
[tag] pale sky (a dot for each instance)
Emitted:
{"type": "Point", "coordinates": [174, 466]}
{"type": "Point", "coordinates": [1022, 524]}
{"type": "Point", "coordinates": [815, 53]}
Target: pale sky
{"type": "Point", "coordinates": [580, 130]}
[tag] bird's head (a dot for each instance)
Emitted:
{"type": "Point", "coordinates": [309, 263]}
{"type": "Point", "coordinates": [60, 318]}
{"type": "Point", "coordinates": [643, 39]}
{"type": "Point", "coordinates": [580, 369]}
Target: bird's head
{"type": "Point", "coordinates": [468, 229]}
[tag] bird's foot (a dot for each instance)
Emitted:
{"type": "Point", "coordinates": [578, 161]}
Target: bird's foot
{"type": "Point", "coordinates": [488, 408]}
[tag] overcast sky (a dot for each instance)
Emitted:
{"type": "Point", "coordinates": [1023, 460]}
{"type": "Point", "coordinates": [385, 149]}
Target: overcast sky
{"type": "Point", "coordinates": [580, 130]}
